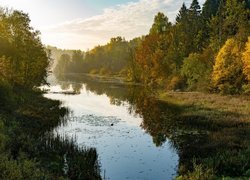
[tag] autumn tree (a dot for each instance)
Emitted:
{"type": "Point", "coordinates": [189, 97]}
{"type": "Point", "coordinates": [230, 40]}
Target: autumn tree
{"type": "Point", "coordinates": [150, 55]}
{"type": "Point", "coordinates": [134, 71]}
{"type": "Point", "coordinates": [25, 58]}
{"type": "Point", "coordinates": [246, 60]}
{"type": "Point", "coordinates": [149, 58]}
{"type": "Point", "coordinates": [227, 74]}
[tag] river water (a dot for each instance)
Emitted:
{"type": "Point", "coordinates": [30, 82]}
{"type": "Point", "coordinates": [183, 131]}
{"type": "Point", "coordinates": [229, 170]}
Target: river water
{"type": "Point", "coordinates": [121, 122]}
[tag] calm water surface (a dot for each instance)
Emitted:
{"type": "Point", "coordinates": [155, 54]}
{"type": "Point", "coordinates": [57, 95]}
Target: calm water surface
{"type": "Point", "coordinates": [120, 124]}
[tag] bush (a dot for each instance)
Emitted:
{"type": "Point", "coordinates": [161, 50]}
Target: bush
{"type": "Point", "coordinates": [19, 169]}
{"type": "Point", "coordinates": [93, 71]}
{"type": "Point", "coordinates": [104, 71]}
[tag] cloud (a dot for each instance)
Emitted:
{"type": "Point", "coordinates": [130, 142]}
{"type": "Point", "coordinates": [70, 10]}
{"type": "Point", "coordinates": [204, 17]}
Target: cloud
{"type": "Point", "coordinates": [127, 20]}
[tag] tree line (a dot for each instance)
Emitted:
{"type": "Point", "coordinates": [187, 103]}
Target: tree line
{"type": "Point", "coordinates": [111, 58]}
{"type": "Point", "coordinates": [206, 49]}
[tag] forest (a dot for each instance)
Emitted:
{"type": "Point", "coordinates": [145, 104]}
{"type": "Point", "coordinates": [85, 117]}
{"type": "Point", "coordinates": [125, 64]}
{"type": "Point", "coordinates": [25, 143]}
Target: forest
{"type": "Point", "coordinates": [205, 49]}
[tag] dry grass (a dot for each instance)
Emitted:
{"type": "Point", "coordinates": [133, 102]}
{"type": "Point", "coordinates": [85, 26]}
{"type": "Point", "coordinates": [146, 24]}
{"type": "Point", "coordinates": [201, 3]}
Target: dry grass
{"type": "Point", "coordinates": [232, 107]}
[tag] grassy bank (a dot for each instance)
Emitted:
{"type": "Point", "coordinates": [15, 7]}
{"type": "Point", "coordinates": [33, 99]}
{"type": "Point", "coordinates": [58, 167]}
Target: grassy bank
{"type": "Point", "coordinates": [28, 149]}
{"type": "Point", "coordinates": [215, 134]}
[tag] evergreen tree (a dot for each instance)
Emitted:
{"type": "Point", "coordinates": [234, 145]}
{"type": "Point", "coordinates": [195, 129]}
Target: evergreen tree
{"type": "Point", "coordinates": [195, 8]}
{"type": "Point", "coordinates": [182, 15]}
{"type": "Point", "coordinates": [161, 24]}
{"type": "Point", "coordinates": [231, 20]}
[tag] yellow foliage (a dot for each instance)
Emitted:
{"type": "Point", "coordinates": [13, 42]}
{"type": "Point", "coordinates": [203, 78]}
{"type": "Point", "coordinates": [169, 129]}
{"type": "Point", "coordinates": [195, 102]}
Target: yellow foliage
{"type": "Point", "coordinates": [228, 66]}
{"type": "Point", "coordinates": [246, 60]}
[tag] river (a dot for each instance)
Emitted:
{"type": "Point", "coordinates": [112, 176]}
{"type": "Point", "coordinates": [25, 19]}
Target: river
{"type": "Point", "coordinates": [123, 123]}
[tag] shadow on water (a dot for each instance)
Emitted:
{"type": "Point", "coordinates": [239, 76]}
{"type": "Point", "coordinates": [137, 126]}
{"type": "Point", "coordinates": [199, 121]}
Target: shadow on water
{"type": "Point", "coordinates": [29, 126]}
{"type": "Point", "coordinates": [207, 138]}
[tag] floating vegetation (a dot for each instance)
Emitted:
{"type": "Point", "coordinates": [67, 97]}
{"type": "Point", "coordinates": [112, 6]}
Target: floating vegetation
{"type": "Point", "coordinates": [94, 120]}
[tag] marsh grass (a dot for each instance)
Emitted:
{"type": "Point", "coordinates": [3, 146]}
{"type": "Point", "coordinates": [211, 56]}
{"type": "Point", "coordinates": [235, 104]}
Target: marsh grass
{"type": "Point", "coordinates": [222, 142]}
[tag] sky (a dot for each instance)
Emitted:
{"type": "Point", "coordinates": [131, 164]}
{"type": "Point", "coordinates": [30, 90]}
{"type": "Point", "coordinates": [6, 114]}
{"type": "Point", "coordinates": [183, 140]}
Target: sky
{"type": "Point", "coordinates": [84, 24]}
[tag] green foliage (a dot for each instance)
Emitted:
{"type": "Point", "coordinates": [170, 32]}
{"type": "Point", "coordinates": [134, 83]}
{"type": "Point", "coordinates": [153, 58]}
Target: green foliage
{"type": "Point", "coordinates": [194, 70]}
{"type": "Point", "coordinates": [231, 163]}
{"type": "Point", "coordinates": [23, 169]}
{"type": "Point", "coordinates": [231, 21]}
{"type": "Point", "coordinates": [210, 8]}
{"type": "Point", "coordinates": [199, 172]}
{"type": "Point", "coordinates": [24, 60]}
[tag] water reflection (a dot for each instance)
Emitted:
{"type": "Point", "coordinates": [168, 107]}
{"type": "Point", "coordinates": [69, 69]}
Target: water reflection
{"type": "Point", "coordinates": [140, 120]}
{"type": "Point", "coordinates": [123, 123]}
{"type": "Point", "coordinates": [161, 120]}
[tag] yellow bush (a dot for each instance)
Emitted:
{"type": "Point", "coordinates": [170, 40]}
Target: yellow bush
{"type": "Point", "coordinates": [246, 60]}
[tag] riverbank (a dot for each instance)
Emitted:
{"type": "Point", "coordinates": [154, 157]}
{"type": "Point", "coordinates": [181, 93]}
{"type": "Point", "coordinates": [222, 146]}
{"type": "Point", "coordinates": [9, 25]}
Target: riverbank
{"type": "Point", "coordinates": [28, 147]}
{"type": "Point", "coordinates": [113, 79]}
{"type": "Point", "coordinates": [225, 148]}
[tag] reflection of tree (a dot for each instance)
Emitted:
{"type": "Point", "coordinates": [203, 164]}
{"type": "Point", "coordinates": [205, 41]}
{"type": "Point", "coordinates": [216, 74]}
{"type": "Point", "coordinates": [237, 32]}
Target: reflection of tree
{"type": "Point", "coordinates": [191, 134]}
{"type": "Point", "coordinates": [157, 116]}
{"type": "Point", "coordinates": [64, 85]}
{"type": "Point", "coordinates": [77, 87]}
{"type": "Point", "coordinates": [115, 92]}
